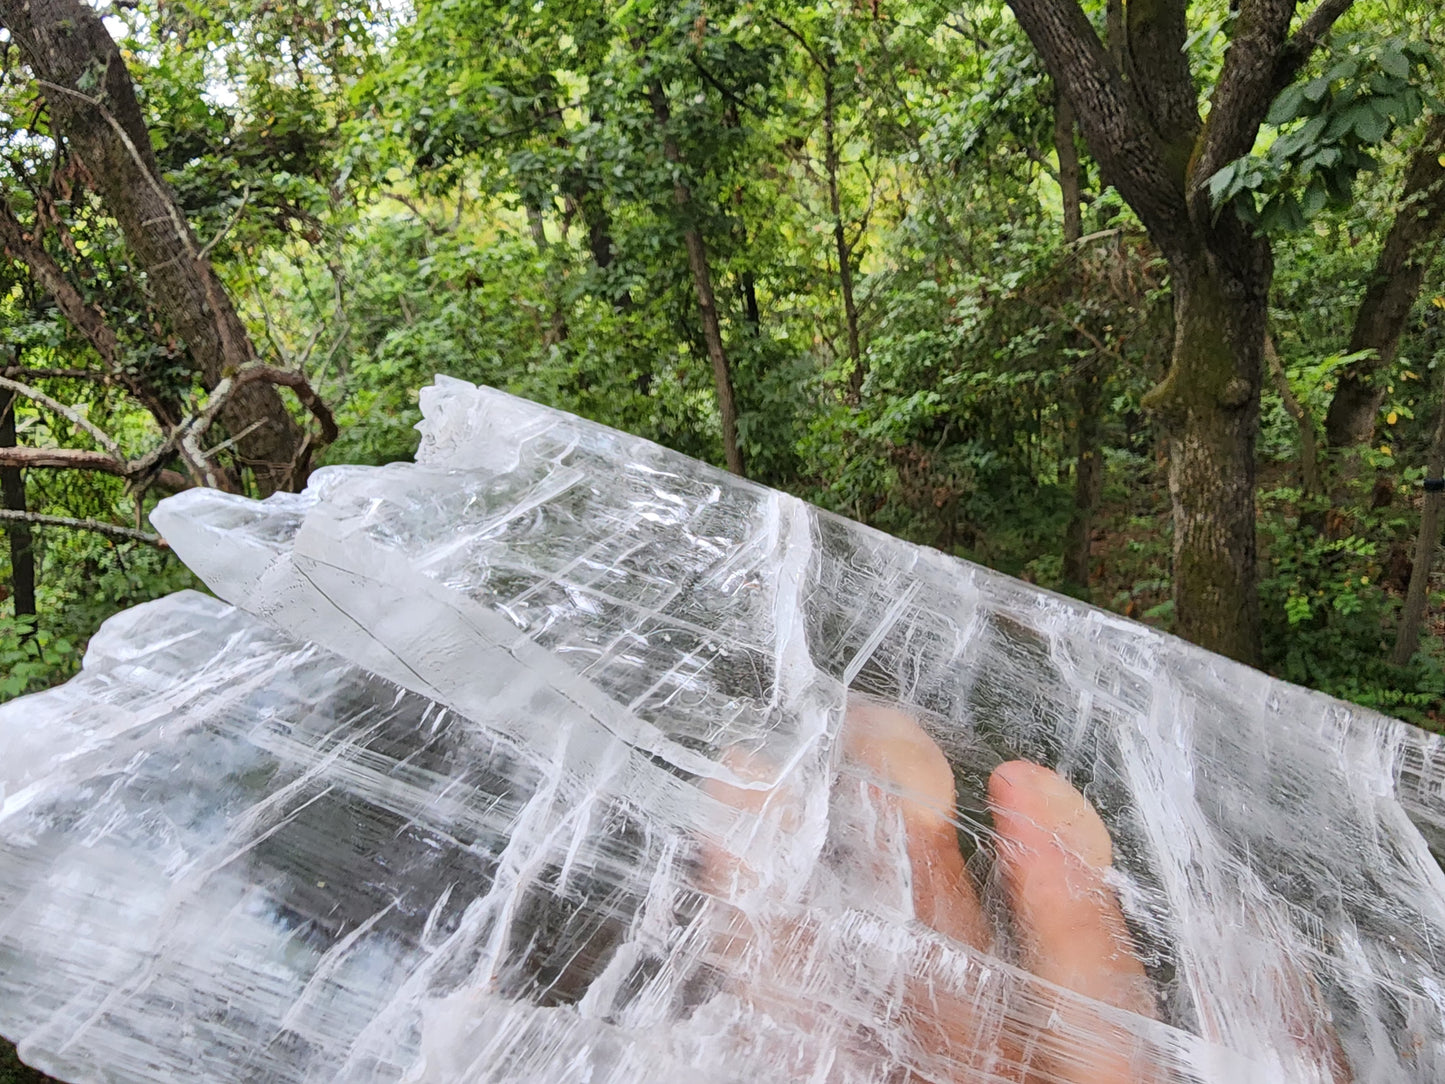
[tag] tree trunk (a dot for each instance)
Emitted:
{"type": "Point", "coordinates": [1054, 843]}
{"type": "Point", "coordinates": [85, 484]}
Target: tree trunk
{"type": "Point", "coordinates": [1152, 145]}
{"type": "Point", "coordinates": [1210, 405]}
{"type": "Point", "coordinates": [1088, 463]}
{"type": "Point", "coordinates": [752, 315]}
{"type": "Point", "coordinates": [1311, 484]}
{"type": "Point", "coordinates": [1070, 182]}
{"type": "Point", "coordinates": [1394, 287]}
{"type": "Point", "coordinates": [1407, 635]}
{"type": "Point", "coordinates": [831, 165]}
{"type": "Point", "coordinates": [556, 332]}
{"type": "Point", "coordinates": [702, 283]}
{"type": "Point", "coordinates": [12, 495]}
{"type": "Point", "coordinates": [1088, 483]}
{"type": "Point", "coordinates": [93, 107]}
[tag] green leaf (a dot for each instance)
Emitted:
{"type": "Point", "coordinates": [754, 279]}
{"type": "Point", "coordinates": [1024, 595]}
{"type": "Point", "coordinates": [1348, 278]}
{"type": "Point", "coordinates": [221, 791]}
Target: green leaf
{"type": "Point", "coordinates": [1286, 106]}
{"type": "Point", "coordinates": [1371, 126]}
{"type": "Point", "coordinates": [1394, 62]}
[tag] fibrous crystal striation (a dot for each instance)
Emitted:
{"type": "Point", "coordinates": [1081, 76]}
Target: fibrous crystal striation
{"type": "Point", "coordinates": [438, 793]}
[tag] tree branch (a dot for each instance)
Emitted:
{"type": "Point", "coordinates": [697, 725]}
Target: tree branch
{"type": "Point", "coordinates": [87, 319]}
{"type": "Point", "coordinates": [28, 458]}
{"type": "Point", "coordinates": [1115, 124]}
{"type": "Point", "coordinates": [1306, 40]}
{"type": "Point", "coordinates": [1242, 95]}
{"type": "Point", "coordinates": [130, 534]}
{"type": "Point", "coordinates": [76, 418]}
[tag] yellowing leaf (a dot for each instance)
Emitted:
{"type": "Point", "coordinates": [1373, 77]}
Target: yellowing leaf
{"type": "Point", "coordinates": [1408, 375]}
{"type": "Point", "coordinates": [1391, 418]}
{"type": "Point", "coordinates": [1384, 449]}
{"type": "Point", "coordinates": [1438, 302]}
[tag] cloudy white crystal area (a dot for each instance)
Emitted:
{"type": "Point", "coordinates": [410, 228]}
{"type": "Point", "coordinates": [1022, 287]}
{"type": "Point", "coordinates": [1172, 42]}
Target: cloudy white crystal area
{"type": "Point", "coordinates": [434, 793]}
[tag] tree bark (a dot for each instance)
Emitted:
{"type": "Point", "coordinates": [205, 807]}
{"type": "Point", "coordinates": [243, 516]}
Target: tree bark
{"type": "Point", "coordinates": [12, 497]}
{"type": "Point", "coordinates": [1210, 402]}
{"type": "Point", "coordinates": [1088, 482]}
{"type": "Point", "coordinates": [1070, 183]}
{"type": "Point", "coordinates": [831, 165]}
{"type": "Point", "coordinates": [1407, 635]}
{"type": "Point", "coordinates": [1088, 461]}
{"type": "Point", "coordinates": [1393, 289]}
{"type": "Point", "coordinates": [702, 284]}
{"type": "Point", "coordinates": [93, 107]}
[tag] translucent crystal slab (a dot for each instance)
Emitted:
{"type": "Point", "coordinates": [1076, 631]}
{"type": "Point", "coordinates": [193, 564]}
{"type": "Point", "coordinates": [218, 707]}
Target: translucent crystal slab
{"type": "Point", "coordinates": [538, 760]}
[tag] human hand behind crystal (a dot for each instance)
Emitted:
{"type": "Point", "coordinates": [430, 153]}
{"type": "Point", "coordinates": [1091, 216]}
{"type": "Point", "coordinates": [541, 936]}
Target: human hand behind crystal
{"type": "Point", "coordinates": [1052, 854]}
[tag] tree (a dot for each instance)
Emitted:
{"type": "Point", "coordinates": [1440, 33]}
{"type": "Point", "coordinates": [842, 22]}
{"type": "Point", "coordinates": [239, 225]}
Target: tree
{"type": "Point", "coordinates": [94, 111]}
{"type": "Point", "coordinates": [1391, 292]}
{"type": "Point", "coordinates": [1142, 122]}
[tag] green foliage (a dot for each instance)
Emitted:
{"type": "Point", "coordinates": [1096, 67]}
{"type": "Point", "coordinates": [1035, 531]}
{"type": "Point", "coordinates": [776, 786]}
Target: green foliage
{"type": "Point", "coordinates": [1330, 126]}
{"type": "Point", "coordinates": [12, 1071]}
{"type": "Point", "coordinates": [32, 658]}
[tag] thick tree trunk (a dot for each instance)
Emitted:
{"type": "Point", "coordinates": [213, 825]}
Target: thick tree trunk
{"type": "Point", "coordinates": [93, 107]}
{"type": "Point", "coordinates": [1142, 121]}
{"type": "Point", "coordinates": [1210, 405]}
{"type": "Point", "coordinates": [1393, 289]}
{"type": "Point", "coordinates": [12, 497]}
{"type": "Point", "coordinates": [702, 284]}
{"type": "Point", "coordinates": [831, 165]}
{"type": "Point", "coordinates": [1407, 635]}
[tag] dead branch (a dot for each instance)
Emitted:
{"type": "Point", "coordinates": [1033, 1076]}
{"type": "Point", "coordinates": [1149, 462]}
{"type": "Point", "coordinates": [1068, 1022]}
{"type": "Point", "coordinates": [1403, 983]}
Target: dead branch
{"type": "Point", "coordinates": [135, 471]}
{"type": "Point", "coordinates": [130, 534]}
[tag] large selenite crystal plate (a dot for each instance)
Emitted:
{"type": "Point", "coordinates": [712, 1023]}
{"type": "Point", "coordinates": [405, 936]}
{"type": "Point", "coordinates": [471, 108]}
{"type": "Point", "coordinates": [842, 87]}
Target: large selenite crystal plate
{"type": "Point", "coordinates": [426, 798]}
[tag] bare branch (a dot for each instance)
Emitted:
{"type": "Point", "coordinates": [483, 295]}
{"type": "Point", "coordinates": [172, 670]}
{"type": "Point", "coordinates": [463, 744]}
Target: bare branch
{"type": "Point", "coordinates": [130, 534]}
{"type": "Point", "coordinates": [95, 376]}
{"type": "Point", "coordinates": [300, 386]}
{"type": "Point", "coordinates": [101, 438]}
{"type": "Point", "coordinates": [138, 471]}
{"type": "Point", "coordinates": [1114, 122]}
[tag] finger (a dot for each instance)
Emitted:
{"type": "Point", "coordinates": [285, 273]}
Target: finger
{"type": "Point", "coordinates": [1054, 853]}
{"type": "Point", "coordinates": [913, 778]}
{"type": "Point", "coordinates": [910, 768]}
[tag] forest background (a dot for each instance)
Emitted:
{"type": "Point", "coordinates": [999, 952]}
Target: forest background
{"type": "Point", "coordinates": [1141, 303]}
